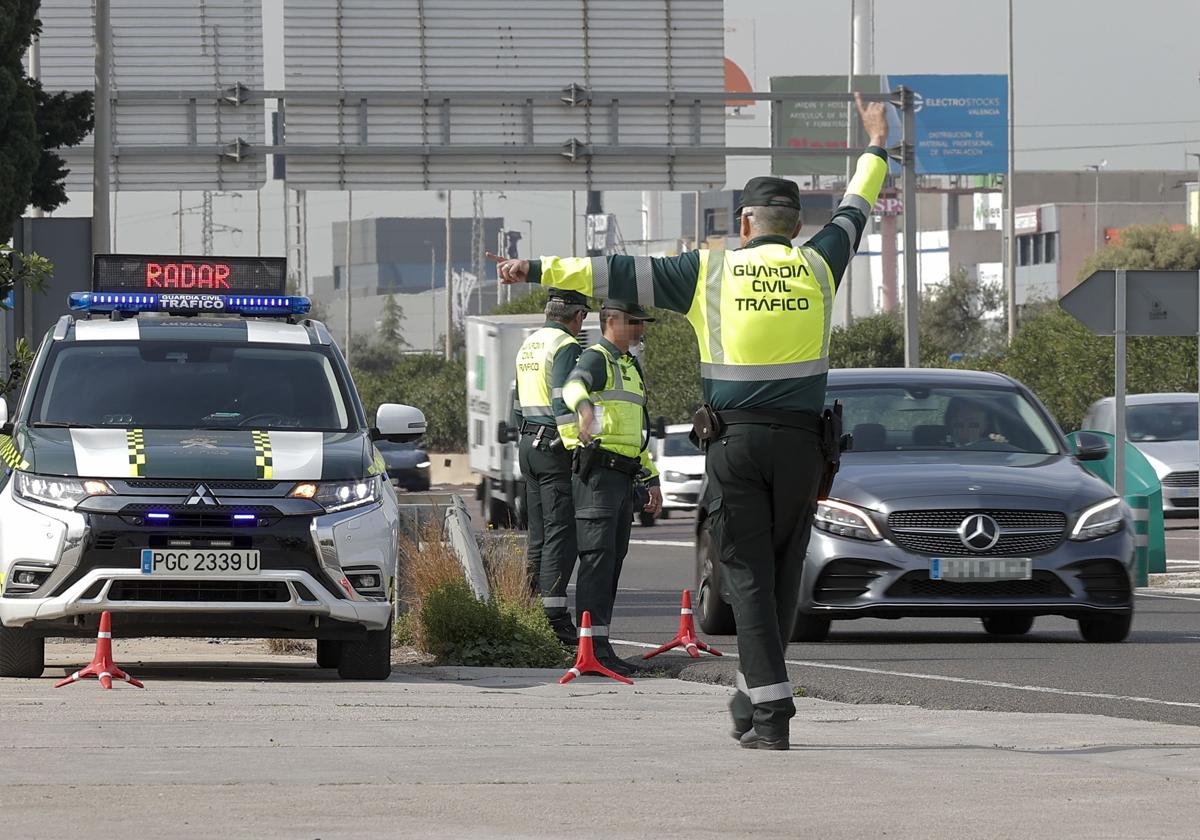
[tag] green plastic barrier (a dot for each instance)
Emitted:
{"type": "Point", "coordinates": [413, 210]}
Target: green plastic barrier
{"type": "Point", "coordinates": [1143, 493]}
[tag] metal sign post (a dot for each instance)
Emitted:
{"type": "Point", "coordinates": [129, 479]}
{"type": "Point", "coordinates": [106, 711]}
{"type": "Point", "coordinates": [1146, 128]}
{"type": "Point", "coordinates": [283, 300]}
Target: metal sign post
{"type": "Point", "coordinates": [1119, 326]}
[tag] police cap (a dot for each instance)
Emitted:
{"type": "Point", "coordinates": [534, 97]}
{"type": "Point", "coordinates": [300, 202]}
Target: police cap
{"type": "Point", "coordinates": [770, 192]}
{"type": "Point", "coordinates": [570, 297]}
{"type": "Point", "coordinates": [629, 307]}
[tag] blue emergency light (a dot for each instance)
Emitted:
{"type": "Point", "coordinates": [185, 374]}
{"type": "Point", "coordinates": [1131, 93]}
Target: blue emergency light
{"type": "Point", "coordinates": [189, 304]}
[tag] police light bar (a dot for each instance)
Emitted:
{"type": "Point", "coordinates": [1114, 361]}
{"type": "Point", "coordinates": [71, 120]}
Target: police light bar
{"type": "Point", "coordinates": [190, 304]}
{"type": "Point", "coordinates": [255, 276]}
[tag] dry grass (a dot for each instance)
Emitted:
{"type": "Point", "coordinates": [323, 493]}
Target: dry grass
{"type": "Point", "coordinates": [426, 562]}
{"type": "Point", "coordinates": [504, 561]}
{"type": "Point", "coordinates": [289, 647]}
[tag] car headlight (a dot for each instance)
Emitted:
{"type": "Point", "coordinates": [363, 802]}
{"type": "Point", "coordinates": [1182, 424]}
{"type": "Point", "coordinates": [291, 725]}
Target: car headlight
{"type": "Point", "coordinates": [424, 465]}
{"type": "Point", "coordinates": [339, 495]}
{"type": "Point", "coordinates": [1099, 521]}
{"type": "Point", "coordinates": [57, 490]}
{"type": "Point", "coordinates": [674, 477]}
{"type": "Point", "coordinates": [845, 521]}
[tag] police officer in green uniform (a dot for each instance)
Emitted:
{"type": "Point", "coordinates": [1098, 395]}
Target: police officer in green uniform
{"type": "Point", "coordinates": [762, 320]}
{"type": "Point", "coordinates": [544, 361]}
{"type": "Point", "coordinates": [608, 394]}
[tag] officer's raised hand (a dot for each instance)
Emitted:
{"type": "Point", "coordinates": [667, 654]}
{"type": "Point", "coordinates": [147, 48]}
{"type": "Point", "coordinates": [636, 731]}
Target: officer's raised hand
{"type": "Point", "coordinates": [510, 271]}
{"type": "Point", "coordinates": [874, 120]}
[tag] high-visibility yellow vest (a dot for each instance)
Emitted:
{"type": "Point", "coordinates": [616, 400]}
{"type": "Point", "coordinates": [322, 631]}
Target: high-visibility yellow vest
{"type": "Point", "coordinates": [535, 363]}
{"type": "Point", "coordinates": [762, 313]}
{"type": "Point", "coordinates": [619, 402]}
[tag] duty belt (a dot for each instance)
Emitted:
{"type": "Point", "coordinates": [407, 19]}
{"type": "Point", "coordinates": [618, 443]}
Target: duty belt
{"type": "Point", "coordinates": [619, 463]}
{"type": "Point", "coordinates": [540, 431]}
{"type": "Point", "coordinates": [804, 420]}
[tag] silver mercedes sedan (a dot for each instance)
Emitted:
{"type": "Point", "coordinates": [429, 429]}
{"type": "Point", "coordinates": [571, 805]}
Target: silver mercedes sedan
{"type": "Point", "coordinates": [960, 497]}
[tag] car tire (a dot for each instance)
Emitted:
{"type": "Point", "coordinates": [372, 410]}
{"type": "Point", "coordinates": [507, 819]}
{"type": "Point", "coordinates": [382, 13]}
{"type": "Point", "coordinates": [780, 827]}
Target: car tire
{"type": "Point", "coordinates": [664, 514]}
{"type": "Point", "coordinates": [329, 653]}
{"type": "Point", "coordinates": [715, 616]}
{"type": "Point", "coordinates": [22, 654]}
{"type": "Point", "coordinates": [368, 659]}
{"type": "Point", "coordinates": [1105, 629]}
{"type": "Point", "coordinates": [1008, 625]}
{"type": "Point", "coordinates": [810, 628]}
{"type": "Point", "coordinates": [520, 515]}
{"type": "Point", "coordinates": [646, 520]}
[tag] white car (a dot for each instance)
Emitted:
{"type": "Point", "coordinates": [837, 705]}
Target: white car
{"type": "Point", "coordinates": [1163, 427]}
{"type": "Point", "coordinates": [681, 469]}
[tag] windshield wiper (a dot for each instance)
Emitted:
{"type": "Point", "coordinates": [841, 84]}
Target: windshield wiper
{"type": "Point", "coordinates": [59, 424]}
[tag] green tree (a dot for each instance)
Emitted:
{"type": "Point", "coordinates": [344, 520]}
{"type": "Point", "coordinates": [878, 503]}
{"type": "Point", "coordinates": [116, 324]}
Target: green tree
{"type": "Point", "coordinates": [391, 325]}
{"type": "Point", "coordinates": [34, 123]}
{"type": "Point", "coordinates": [1148, 247]}
{"type": "Point", "coordinates": [953, 317]}
{"type": "Point", "coordinates": [428, 382]}
{"type": "Point", "coordinates": [877, 341]}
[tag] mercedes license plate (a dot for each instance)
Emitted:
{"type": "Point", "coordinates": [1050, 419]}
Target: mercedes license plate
{"type": "Point", "coordinates": [980, 568]}
{"type": "Point", "coordinates": [200, 562]}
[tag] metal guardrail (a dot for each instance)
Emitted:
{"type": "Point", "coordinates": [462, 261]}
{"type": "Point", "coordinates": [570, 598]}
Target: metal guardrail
{"type": "Point", "coordinates": [420, 509]}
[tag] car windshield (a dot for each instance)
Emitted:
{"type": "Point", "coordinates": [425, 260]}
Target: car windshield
{"type": "Point", "coordinates": [1161, 421]}
{"type": "Point", "coordinates": [191, 385]}
{"type": "Point", "coordinates": [887, 418]}
{"type": "Point", "coordinates": [678, 444]}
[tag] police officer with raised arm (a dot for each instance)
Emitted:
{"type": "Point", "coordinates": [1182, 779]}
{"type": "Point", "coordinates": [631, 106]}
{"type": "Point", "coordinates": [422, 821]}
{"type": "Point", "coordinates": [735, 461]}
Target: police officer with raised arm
{"type": "Point", "coordinates": [608, 394]}
{"type": "Point", "coordinates": [544, 361]}
{"type": "Point", "coordinates": [762, 319]}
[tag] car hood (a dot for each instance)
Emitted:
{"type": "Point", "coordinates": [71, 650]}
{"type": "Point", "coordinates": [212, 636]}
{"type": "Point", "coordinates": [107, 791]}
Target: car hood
{"type": "Point", "coordinates": [687, 464]}
{"type": "Point", "coordinates": [194, 454]}
{"type": "Point", "coordinates": [889, 481]}
{"type": "Point", "coordinates": [1167, 456]}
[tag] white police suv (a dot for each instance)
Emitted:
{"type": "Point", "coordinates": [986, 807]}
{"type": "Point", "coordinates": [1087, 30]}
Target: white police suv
{"type": "Point", "coordinates": [189, 453]}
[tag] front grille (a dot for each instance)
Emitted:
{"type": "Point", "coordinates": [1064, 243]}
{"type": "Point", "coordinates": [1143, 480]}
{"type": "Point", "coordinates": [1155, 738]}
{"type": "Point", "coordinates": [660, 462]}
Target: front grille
{"type": "Point", "coordinates": [176, 484]}
{"type": "Point", "coordinates": [949, 545]}
{"type": "Point", "coordinates": [257, 592]}
{"type": "Point", "coordinates": [1181, 479]}
{"type": "Point", "coordinates": [1105, 581]}
{"type": "Point", "coordinates": [1185, 503]}
{"type": "Point", "coordinates": [845, 580]}
{"type": "Point", "coordinates": [200, 516]}
{"type": "Point", "coordinates": [918, 585]}
{"type": "Point", "coordinates": [904, 519]}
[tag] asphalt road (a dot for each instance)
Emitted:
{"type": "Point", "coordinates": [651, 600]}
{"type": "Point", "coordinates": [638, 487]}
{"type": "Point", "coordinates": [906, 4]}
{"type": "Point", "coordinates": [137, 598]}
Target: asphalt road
{"type": "Point", "coordinates": [951, 663]}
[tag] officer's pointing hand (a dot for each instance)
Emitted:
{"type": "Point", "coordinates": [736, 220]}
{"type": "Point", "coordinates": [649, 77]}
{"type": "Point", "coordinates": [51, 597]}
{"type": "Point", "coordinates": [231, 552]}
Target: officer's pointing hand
{"type": "Point", "coordinates": [510, 271]}
{"type": "Point", "coordinates": [654, 505]}
{"type": "Point", "coordinates": [874, 120]}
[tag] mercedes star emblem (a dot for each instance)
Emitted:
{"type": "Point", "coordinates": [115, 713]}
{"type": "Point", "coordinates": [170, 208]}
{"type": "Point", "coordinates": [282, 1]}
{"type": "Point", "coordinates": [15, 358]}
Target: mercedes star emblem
{"type": "Point", "coordinates": [979, 532]}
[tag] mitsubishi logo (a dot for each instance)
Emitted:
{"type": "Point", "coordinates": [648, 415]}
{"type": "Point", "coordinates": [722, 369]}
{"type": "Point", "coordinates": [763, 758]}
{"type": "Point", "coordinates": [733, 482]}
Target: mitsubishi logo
{"type": "Point", "coordinates": [979, 532]}
{"type": "Point", "coordinates": [202, 496]}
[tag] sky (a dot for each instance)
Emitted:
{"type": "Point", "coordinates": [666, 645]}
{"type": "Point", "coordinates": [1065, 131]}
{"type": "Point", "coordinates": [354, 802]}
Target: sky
{"type": "Point", "coordinates": [1095, 80]}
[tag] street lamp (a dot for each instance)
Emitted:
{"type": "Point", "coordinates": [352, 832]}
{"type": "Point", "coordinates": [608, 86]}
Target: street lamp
{"type": "Point", "coordinates": [1196, 155]}
{"type": "Point", "coordinates": [1096, 167]}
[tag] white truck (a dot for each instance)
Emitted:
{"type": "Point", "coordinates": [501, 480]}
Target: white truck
{"type": "Point", "coordinates": [492, 345]}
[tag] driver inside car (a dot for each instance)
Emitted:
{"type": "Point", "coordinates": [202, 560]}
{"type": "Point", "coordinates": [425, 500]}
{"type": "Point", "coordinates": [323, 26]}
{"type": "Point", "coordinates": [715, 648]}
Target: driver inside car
{"type": "Point", "coordinates": [971, 423]}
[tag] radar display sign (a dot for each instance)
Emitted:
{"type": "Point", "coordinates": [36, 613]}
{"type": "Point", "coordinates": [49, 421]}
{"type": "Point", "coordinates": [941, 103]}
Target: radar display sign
{"type": "Point", "coordinates": [197, 275]}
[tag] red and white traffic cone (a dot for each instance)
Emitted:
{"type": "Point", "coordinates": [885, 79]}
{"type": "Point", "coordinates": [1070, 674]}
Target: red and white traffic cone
{"type": "Point", "coordinates": [585, 660]}
{"type": "Point", "coordinates": [102, 665]}
{"type": "Point", "coordinates": [686, 637]}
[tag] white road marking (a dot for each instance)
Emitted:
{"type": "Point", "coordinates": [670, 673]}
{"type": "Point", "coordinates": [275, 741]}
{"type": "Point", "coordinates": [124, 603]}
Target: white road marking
{"type": "Point", "coordinates": [1167, 597]}
{"type": "Point", "coordinates": [672, 543]}
{"type": "Point", "coordinates": [1038, 689]}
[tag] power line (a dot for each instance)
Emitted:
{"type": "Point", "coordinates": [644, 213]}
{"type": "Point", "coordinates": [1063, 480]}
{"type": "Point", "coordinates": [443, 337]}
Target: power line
{"type": "Point", "coordinates": [1078, 146]}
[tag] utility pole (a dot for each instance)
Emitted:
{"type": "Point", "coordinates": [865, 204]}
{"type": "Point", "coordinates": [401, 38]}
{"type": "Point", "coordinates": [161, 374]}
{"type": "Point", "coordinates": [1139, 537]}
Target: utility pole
{"type": "Point", "coordinates": [102, 132]}
{"type": "Point", "coordinates": [349, 262]}
{"type": "Point", "coordinates": [449, 275]}
{"type": "Point", "coordinates": [595, 207]}
{"type": "Point", "coordinates": [1096, 167]}
{"type": "Point", "coordinates": [1010, 211]}
{"type": "Point", "coordinates": [477, 250]}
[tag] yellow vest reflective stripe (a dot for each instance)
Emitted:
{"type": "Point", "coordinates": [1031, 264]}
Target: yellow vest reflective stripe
{"type": "Point", "coordinates": [620, 406]}
{"type": "Point", "coordinates": [763, 313]}
{"type": "Point", "coordinates": [535, 362]}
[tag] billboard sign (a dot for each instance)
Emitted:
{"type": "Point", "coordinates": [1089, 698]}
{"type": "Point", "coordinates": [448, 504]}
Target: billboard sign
{"type": "Point", "coordinates": [813, 125]}
{"type": "Point", "coordinates": [961, 122]}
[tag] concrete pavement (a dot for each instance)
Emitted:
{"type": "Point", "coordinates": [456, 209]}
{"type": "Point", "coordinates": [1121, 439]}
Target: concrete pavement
{"type": "Point", "coordinates": [239, 744]}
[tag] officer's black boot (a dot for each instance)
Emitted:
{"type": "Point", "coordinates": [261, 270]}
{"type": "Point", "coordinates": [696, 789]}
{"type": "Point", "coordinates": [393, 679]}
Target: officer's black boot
{"type": "Point", "coordinates": [564, 629]}
{"type": "Point", "coordinates": [609, 659]}
{"type": "Point", "coordinates": [752, 740]}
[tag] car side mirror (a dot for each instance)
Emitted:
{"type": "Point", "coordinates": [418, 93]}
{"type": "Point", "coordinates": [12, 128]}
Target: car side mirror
{"type": "Point", "coordinates": [506, 433]}
{"type": "Point", "coordinates": [5, 428]}
{"type": "Point", "coordinates": [1090, 447]}
{"type": "Point", "coordinates": [658, 428]}
{"type": "Point", "coordinates": [399, 423]}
